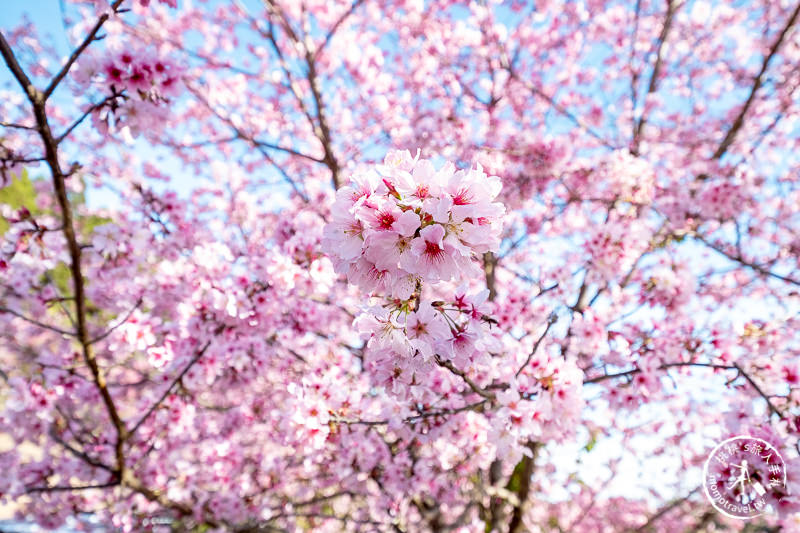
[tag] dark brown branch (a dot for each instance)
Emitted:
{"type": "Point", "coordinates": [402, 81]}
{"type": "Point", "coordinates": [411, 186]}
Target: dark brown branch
{"type": "Point", "coordinates": [37, 100]}
{"type": "Point", "coordinates": [755, 386]}
{"type": "Point", "coordinates": [320, 126]}
{"type": "Point", "coordinates": [258, 145]}
{"type": "Point", "coordinates": [287, 150]}
{"type": "Point", "coordinates": [757, 83]}
{"type": "Point", "coordinates": [460, 373]}
{"type": "Point", "coordinates": [168, 390]}
{"type": "Point", "coordinates": [160, 498]}
{"type": "Point", "coordinates": [741, 260]}
{"type": "Point", "coordinates": [86, 113]}
{"type": "Point", "coordinates": [15, 160]}
{"type": "Point", "coordinates": [244, 136]}
{"type": "Point", "coordinates": [735, 366]}
{"type": "Point", "coordinates": [199, 144]}
{"type": "Point", "coordinates": [62, 488]}
{"type": "Point", "coordinates": [13, 65]}
{"type": "Point", "coordinates": [80, 454]}
{"type": "Point", "coordinates": [632, 52]}
{"type": "Point", "coordinates": [489, 267]}
{"type": "Point", "coordinates": [282, 172]}
{"type": "Point", "coordinates": [79, 50]}
{"type": "Point", "coordinates": [525, 475]}
{"type": "Point", "coordinates": [36, 322]}
{"type": "Point", "coordinates": [664, 510]}
{"type": "Point", "coordinates": [323, 131]}
{"type": "Point", "coordinates": [552, 319]}
{"type": "Point", "coordinates": [118, 324]}
{"type": "Point", "coordinates": [292, 85]}
{"type": "Point", "coordinates": [16, 126]}
{"type": "Point", "coordinates": [633, 371]}
{"type": "Point", "coordinates": [317, 499]}
{"type": "Point", "coordinates": [653, 84]}
{"type": "Point", "coordinates": [536, 91]}
{"type": "Point", "coordinates": [415, 418]}
{"type": "Point", "coordinates": [336, 25]}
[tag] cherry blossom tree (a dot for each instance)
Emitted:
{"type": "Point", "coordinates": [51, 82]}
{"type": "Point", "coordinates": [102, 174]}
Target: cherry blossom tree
{"type": "Point", "coordinates": [398, 265]}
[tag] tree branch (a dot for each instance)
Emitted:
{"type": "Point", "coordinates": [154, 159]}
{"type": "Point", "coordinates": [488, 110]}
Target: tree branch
{"type": "Point", "coordinates": [336, 25]}
{"type": "Point", "coordinates": [665, 366]}
{"type": "Point", "coordinates": [36, 322]}
{"type": "Point", "coordinates": [524, 471]}
{"type": "Point", "coordinates": [415, 418]}
{"type": "Point", "coordinates": [536, 91]}
{"type": "Point", "coordinates": [37, 100]}
{"type": "Point", "coordinates": [653, 84]}
{"type": "Point", "coordinates": [168, 390]}
{"type": "Point", "coordinates": [552, 319]}
{"type": "Point", "coordinates": [321, 128]}
{"type": "Point", "coordinates": [755, 386]}
{"type": "Point", "coordinates": [86, 113]}
{"type": "Point", "coordinates": [118, 324]}
{"type": "Point", "coordinates": [664, 510]}
{"type": "Point", "coordinates": [741, 260]}
{"type": "Point", "coordinates": [62, 488]}
{"type": "Point", "coordinates": [460, 373]}
{"type": "Point", "coordinates": [759, 80]}
{"type": "Point", "coordinates": [79, 50]}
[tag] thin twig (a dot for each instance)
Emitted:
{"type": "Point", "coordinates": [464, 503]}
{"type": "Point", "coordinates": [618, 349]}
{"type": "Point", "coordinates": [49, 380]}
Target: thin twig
{"type": "Point", "coordinates": [118, 324]}
{"type": "Point", "coordinates": [86, 113]}
{"type": "Point", "coordinates": [664, 510]}
{"type": "Point", "coordinates": [730, 136]}
{"type": "Point", "coordinates": [552, 319]}
{"type": "Point", "coordinates": [168, 390]}
{"type": "Point", "coordinates": [79, 454]}
{"type": "Point", "coordinates": [741, 260]}
{"type": "Point", "coordinates": [633, 371]}
{"type": "Point", "coordinates": [79, 50]}
{"type": "Point", "coordinates": [415, 418]}
{"type": "Point", "coordinates": [653, 84]}
{"type": "Point", "coordinates": [336, 25]}
{"type": "Point", "coordinates": [62, 488]}
{"type": "Point", "coordinates": [36, 322]}
{"type": "Point", "coordinates": [38, 105]}
{"type": "Point", "coordinates": [527, 465]}
{"type": "Point", "coordinates": [17, 126]}
{"type": "Point", "coordinates": [460, 373]}
{"type": "Point", "coordinates": [755, 386]}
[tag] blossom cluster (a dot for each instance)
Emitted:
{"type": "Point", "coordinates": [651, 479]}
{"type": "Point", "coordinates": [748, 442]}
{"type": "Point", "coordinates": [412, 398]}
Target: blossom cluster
{"type": "Point", "coordinates": [405, 222]}
{"type": "Point", "coordinates": [722, 200]}
{"type": "Point", "coordinates": [543, 404]}
{"type": "Point", "coordinates": [626, 178]}
{"type": "Point", "coordinates": [404, 230]}
{"type": "Point", "coordinates": [146, 74]}
{"type": "Point", "coordinates": [136, 85]}
{"type": "Point", "coordinates": [615, 246]}
{"type": "Point", "coordinates": [407, 344]}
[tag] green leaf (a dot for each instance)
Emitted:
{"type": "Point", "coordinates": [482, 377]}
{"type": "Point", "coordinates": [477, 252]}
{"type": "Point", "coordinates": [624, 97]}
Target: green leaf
{"type": "Point", "coordinates": [515, 481]}
{"type": "Point", "coordinates": [62, 278]}
{"type": "Point", "coordinates": [591, 444]}
{"type": "Point", "coordinates": [17, 194]}
{"type": "Point", "coordinates": [88, 223]}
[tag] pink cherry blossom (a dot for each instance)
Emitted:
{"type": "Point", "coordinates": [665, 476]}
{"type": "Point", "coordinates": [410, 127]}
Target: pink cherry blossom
{"type": "Point", "coordinates": [426, 329]}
